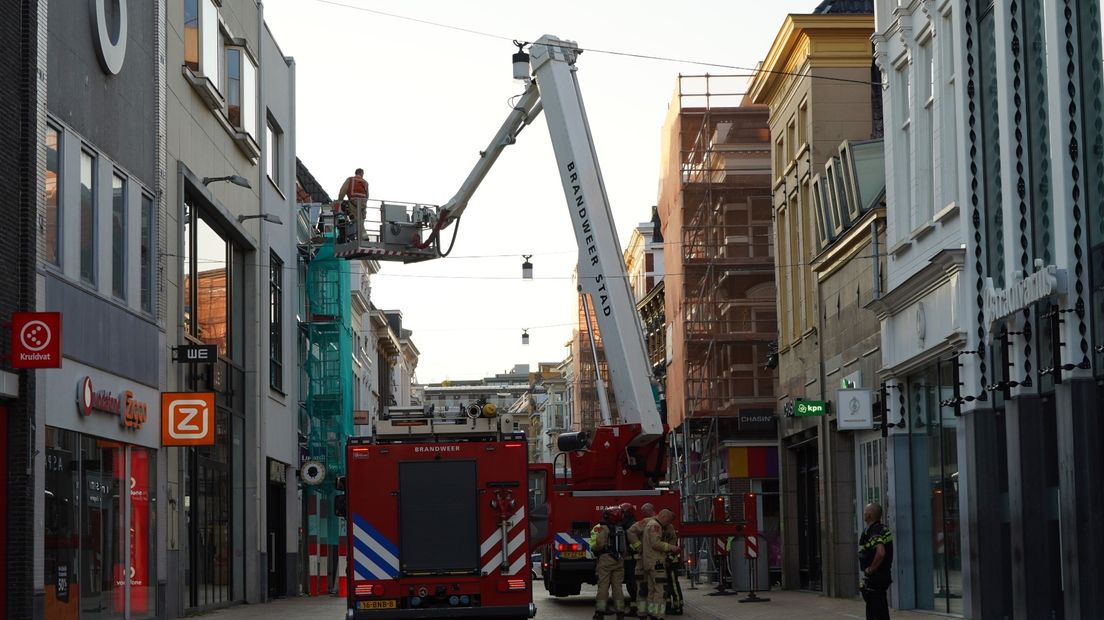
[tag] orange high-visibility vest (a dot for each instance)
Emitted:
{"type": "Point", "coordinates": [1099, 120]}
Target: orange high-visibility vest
{"type": "Point", "coordinates": [358, 187]}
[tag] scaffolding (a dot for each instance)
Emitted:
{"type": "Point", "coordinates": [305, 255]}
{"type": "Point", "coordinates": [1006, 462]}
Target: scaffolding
{"type": "Point", "coordinates": [587, 406]}
{"type": "Point", "coordinates": [327, 354]}
{"type": "Point", "coordinates": [715, 201]}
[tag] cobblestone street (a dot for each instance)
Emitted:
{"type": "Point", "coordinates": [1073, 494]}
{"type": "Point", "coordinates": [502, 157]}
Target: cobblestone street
{"type": "Point", "coordinates": [786, 605]}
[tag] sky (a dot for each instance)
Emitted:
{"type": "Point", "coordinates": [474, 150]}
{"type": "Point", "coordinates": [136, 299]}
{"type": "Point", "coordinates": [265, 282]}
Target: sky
{"type": "Point", "coordinates": [413, 103]}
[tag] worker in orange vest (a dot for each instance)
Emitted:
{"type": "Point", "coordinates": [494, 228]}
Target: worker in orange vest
{"type": "Point", "coordinates": [356, 189]}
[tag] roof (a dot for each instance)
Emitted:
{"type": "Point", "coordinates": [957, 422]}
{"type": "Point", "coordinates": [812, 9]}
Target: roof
{"type": "Point", "coordinates": [309, 183]}
{"type": "Point", "coordinates": [838, 7]}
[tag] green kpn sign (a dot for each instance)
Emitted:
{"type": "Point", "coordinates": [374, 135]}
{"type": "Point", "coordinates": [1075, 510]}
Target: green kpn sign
{"type": "Point", "coordinates": [810, 408]}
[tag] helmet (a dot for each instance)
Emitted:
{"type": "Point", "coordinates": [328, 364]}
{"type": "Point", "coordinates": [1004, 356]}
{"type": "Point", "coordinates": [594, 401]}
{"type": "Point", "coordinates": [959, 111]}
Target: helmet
{"type": "Point", "coordinates": [628, 509]}
{"type": "Point", "coordinates": [612, 514]}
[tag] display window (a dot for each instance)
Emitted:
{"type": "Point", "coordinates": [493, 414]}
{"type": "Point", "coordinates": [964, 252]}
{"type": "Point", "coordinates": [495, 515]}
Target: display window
{"type": "Point", "coordinates": [99, 528]}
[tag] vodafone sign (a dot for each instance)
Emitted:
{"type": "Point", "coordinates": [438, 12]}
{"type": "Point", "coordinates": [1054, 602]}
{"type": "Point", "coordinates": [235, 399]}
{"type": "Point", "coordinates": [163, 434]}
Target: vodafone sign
{"type": "Point", "coordinates": [36, 340]}
{"type": "Point", "coordinates": [132, 413]}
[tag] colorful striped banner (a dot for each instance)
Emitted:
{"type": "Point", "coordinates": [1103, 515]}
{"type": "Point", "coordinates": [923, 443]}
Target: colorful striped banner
{"type": "Point", "coordinates": [753, 462]}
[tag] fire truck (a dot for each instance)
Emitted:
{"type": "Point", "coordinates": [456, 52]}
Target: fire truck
{"type": "Point", "coordinates": [623, 460]}
{"type": "Point", "coordinates": [436, 510]}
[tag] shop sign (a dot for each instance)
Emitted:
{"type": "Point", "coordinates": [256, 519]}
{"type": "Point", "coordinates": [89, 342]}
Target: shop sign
{"type": "Point", "coordinates": [36, 340]}
{"type": "Point", "coordinates": [196, 353]}
{"type": "Point", "coordinates": [188, 418]}
{"type": "Point", "coordinates": [856, 410]}
{"type": "Point", "coordinates": [132, 412]}
{"type": "Point", "coordinates": [757, 421]}
{"type": "Point", "coordinates": [110, 51]}
{"type": "Point", "coordinates": [1022, 292]}
{"type": "Point", "coordinates": [808, 408]}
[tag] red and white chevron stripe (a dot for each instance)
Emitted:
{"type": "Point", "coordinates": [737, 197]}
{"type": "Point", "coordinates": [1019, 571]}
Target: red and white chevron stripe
{"type": "Point", "coordinates": [517, 549]}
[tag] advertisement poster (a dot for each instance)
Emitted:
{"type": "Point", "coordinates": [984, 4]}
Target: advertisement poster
{"type": "Point", "coordinates": [138, 569]}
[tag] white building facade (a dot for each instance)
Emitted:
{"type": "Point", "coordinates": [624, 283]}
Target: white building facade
{"type": "Point", "coordinates": [991, 320]}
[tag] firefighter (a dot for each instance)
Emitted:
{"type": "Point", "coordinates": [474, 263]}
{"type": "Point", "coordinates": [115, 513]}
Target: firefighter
{"type": "Point", "coordinates": [628, 521]}
{"type": "Point", "coordinates": [356, 189]}
{"type": "Point", "coordinates": [607, 541]}
{"type": "Point", "coordinates": [653, 556]}
{"type": "Point", "coordinates": [635, 538]}
{"type": "Point", "coordinates": [673, 598]}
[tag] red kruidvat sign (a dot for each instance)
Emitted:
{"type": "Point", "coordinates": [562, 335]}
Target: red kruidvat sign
{"type": "Point", "coordinates": [36, 340]}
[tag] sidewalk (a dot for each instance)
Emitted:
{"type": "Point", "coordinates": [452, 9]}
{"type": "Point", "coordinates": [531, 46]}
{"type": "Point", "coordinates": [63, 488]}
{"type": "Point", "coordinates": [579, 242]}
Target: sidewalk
{"type": "Point", "coordinates": [783, 605]}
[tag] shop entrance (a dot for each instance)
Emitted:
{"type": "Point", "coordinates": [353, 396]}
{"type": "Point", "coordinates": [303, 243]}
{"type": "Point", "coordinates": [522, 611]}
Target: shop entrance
{"type": "Point", "coordinates": [277, 529]}
{"type": "Point", "coordinates": [808, 515]}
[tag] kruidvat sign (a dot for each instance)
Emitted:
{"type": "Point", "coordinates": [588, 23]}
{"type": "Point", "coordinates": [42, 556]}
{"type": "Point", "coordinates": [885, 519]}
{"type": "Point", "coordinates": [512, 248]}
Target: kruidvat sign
{"type": "Point", "coordinates": [1021, 292]}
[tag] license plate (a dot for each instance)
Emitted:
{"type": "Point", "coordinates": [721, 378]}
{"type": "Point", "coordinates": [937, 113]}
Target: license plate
{"type": "Point", "coordinates": [391, 604]}
{"type": "Point", "coordinates": [572, 555]}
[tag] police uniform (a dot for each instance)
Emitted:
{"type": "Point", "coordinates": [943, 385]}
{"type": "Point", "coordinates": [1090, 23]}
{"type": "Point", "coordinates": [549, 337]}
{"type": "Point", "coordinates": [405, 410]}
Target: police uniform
{"type": "Point", "coordinates": [607, 542]}
{"type": "Point", "coordinates": [673, 591]}
{"type": "Point", "coordinates": [635, 537]}
{"type": "Point", "coordinates": [653, 557]}
{"type": "Point", "coordinates": [875, 586]}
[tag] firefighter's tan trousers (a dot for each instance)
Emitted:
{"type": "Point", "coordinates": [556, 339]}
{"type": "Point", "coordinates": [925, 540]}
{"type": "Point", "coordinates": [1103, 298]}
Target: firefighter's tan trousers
{"type": "Point", "coordinates": [358, 206]}
{"type": "Point", "coordinates": [656, 578]}
{"type": "Point", "coordinates": [611, 574]}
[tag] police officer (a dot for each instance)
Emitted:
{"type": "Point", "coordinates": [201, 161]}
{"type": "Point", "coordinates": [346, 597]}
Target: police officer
{"type": "Point", "coordinates": [635, 537]}
{"type": "Point", "coordinates": [653, 556]}
{"type": "Point", "coordinates": [628, 520]}
{"type": "Point", "coordinates": [673, 594]}
{"type": "Point", "coordinates": [607, 541]}
{"type": "Point", "coordinates": [876, 562]}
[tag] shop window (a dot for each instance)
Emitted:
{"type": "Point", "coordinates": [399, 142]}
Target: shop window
{"type": "Point", "coordinates": [88, 217]}
{"type": "Point", "coordinates": [207, 281]}
{"type": "Point", "coordinates": [51, 224]}
{"type": "Point", "coordinates": [118, 236]}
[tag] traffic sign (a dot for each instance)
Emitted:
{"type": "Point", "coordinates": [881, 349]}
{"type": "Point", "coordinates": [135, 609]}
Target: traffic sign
{"type": "Point", "coordinates": [36, 340]}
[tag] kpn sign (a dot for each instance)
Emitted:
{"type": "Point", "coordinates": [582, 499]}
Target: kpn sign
{"type": "Point", "coordinates": [809, 408]}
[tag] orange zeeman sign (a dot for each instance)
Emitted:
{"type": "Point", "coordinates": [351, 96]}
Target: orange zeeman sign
{"type": "Point", "coordinates": [187, 418]}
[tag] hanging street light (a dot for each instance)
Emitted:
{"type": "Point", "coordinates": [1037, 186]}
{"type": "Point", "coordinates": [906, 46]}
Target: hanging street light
{"type": "Point", "coordinates": [525, 336]}
{"type": "Point", "coordinates": [527, 267]}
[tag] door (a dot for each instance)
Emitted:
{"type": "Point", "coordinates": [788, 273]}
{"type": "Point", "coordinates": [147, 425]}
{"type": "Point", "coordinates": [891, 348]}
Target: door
{"type": "Point", "coordinates": [808, 516]}
{"type": "Point", "coordinates": [277, 530]}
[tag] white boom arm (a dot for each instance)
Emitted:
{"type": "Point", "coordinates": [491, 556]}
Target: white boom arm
{"type": "Point", "coordinates": [602, 273]}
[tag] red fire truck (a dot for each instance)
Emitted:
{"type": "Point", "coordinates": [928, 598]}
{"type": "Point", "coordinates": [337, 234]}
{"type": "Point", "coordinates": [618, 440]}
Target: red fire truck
{"type": "Point", "coordinates": [623, 461]}
{"type": "Point", "coordinates": [437, 517]}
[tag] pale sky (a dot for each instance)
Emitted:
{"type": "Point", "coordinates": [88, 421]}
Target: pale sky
{"type": "Point", "coordinates": [413, 104]}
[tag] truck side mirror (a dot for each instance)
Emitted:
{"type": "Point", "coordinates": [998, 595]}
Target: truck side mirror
{"type": "Point", "coordinates": [340, 483]}
{"type": "Point", "coordinates": [340, 506]}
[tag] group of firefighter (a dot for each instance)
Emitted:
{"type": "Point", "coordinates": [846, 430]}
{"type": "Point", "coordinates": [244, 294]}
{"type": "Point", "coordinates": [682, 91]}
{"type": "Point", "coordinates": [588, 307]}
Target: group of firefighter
{"type": "Point", "coordinates": [643, 554]}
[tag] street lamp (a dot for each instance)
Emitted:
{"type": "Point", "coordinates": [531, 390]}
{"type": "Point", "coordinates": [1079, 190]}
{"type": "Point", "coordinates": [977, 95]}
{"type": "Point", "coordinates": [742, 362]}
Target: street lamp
{"type": "Point", "coordinates": [236, 179]}
{"type": "Point", "coordinates": [267, 217]}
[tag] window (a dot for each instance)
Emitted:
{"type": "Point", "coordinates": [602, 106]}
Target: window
{"type": "Point", "coordinates": [241, 90]}
{"type": "Point", "coordinates": [903, 155]}
{"type": "Point", "coordinates": [925, 199]}
{"type": "Point", "coordinates": [147, 244]}
{"type": "Point", "coordinates": [803, 122]}
{"type": "Point", "coordinates": [88, 217]}
{"type": "Point", "coordinates": [948, 168]}
{"type": "Point", "coordinates": [52, 199]}
{"type": "Point", "coordinates": [274, 138]}
{"type": "Point", "coordinates": [201, 38]}
{"type": "Point", "coordinates": [209, 287]}
{"type": "Point", "coordinates": [118, 236]}
{"type": "Point", "coordinates": [275, 322]}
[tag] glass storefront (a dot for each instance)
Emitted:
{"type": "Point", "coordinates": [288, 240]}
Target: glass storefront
{"type": "Point", "coordinates": [100, 540]}
{"type": "Point", "coordinates": [933, 451]}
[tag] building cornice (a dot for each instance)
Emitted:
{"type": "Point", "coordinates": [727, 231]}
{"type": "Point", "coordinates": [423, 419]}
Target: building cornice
{"type": "Point", "coordinates": [837, 41]}
{"type": "Point", "coordinates": [842, 250]}
{"type": "Point", "coordinates": [945, 265]}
